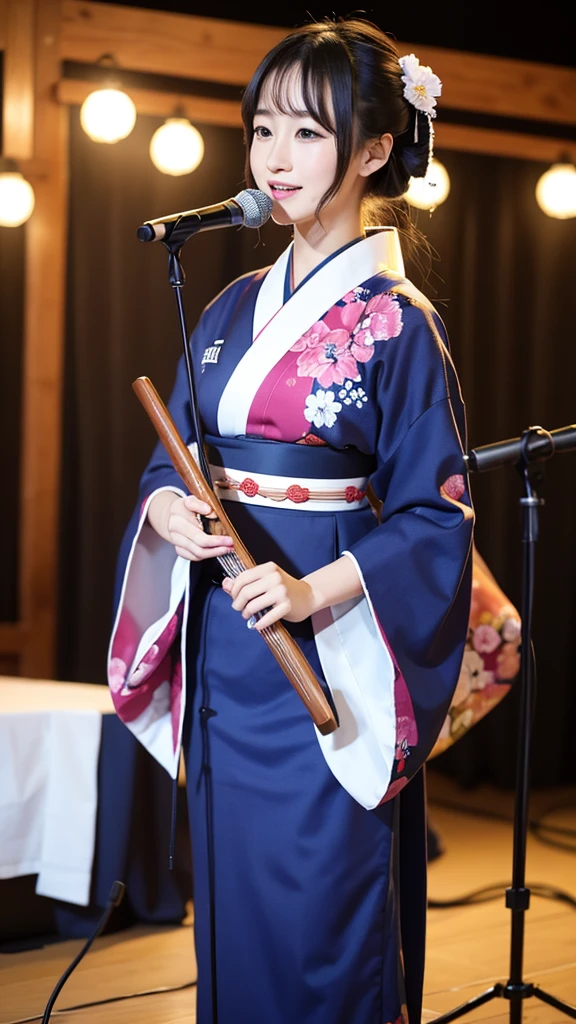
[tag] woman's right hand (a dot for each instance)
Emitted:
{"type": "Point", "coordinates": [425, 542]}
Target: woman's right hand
{"type": "Point", "coordinates": [176, 519]}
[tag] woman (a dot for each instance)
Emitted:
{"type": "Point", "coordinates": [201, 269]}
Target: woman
{"type": "Point", "coordinates": [317, 377]}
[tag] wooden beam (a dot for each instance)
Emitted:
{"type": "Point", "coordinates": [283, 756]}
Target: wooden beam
{"type": "Point", "coordinates": [43, 355]}
{"type": "Point", "coordinates": [204, 110]}
{"type": "Point", "coordinates": [501, 86]}
{"type": "Point", "coordinates": [224, 51]}
{"type": "Point", "coordinates": [157, 103]}
{"type": "Point", "coordinates": [18, 92]}
{"type": "Point", "coordinates": [495, 143]}
{"type": "Point", "coordinates": [163, 43]}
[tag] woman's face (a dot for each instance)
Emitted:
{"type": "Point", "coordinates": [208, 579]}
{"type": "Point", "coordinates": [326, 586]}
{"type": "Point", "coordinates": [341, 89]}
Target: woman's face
{"type": "Point", "coordinates": [293, 158]}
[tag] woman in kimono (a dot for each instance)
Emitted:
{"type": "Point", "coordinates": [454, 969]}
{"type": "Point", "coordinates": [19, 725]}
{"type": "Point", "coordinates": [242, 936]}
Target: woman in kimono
{"type": "Point", "coordinates": [322, 380]}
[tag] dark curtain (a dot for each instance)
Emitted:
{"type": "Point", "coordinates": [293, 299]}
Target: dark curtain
{"type": "Point", "coordinates": [501, 279]}
{"type": "Point", "coordinates": [122, 324]}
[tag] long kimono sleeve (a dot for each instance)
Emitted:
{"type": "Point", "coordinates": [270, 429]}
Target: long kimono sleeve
{"type": "Point", "coordinates": [146, 661]}
{"type": "Point", "coordinates": [416, 567]}
{"type": "Point", "coordinates": [147, 653]}
{"type": "Point", "coordinates": [409, 630]}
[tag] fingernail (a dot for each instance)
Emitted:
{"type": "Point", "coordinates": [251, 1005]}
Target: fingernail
{"type": "Point", "coordinates": [251, 622]}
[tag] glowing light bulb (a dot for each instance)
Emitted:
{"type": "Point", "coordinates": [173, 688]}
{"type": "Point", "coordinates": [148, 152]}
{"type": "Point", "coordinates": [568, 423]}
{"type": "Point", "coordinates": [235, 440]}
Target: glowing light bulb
{"type": "Point", "coordinates": [427, 193]}
{"type": "Point", "coordinates": [108, 115]}
{"type": "Point", "coordinates": [16, 199]}
{"type": "Point", "coordinates": [556, 191]}
{"type": "Point", "coordinates": [176, 147]}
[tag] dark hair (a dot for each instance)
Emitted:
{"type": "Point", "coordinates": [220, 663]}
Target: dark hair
{"type": "Point", "coordinates": [359, 64]}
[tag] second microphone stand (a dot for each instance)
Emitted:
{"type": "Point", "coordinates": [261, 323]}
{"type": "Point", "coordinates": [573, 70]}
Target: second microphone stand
{"type": "Point", "coordinates": [536, 445]}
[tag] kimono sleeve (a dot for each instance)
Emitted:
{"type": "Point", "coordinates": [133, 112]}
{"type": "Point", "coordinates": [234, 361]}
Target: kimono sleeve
{"type": "Point", "coordinates": [146, 658]}
{"type": "Point", "coordinates": [416, 565]}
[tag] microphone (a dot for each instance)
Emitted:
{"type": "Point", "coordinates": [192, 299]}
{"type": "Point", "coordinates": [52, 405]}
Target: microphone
{"type": "Point", "coordinates": [541, 444]}
{"type": "Point", "coordinates": [250, 208]}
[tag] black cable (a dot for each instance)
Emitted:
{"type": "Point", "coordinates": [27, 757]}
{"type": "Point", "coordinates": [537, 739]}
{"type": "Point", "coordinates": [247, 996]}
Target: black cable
{"type": "Point", "coordinates": [493, 892]}
{"type": "Point", "coordinates": [114, 898]}
{"type": "Point", "coordinates": [567, 847]}
{"type": "Point", "coordinates": [112, 999]}
{"type": "Point", "coordinates": [535, 825]}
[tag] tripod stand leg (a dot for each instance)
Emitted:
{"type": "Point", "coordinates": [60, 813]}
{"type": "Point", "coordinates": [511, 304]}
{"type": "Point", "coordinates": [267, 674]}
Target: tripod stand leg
{"type": "Point", "coordinates": [545, 997]}
{"type": "Point", "coordinates": [491, 993]}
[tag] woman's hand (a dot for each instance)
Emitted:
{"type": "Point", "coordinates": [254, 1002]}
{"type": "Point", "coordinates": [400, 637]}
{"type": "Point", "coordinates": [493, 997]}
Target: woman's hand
{"type": "Point", "coordinates": [176, 520]}
{"type": "Point", "coordinates": [268, 586]}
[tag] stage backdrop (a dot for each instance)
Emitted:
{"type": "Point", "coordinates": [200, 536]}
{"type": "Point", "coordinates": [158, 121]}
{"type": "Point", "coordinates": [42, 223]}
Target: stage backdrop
{"type": "Point", "coordinates": [502, 280]}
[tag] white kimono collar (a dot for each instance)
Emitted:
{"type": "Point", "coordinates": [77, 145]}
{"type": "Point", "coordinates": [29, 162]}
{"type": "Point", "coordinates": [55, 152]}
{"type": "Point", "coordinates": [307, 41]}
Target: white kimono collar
{"type": "Point", "coordinates": [277, 326]}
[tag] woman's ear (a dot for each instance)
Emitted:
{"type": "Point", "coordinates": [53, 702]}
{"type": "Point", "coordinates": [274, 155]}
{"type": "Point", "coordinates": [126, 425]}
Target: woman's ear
{"type": "Point", "coordinates": [376, 154]}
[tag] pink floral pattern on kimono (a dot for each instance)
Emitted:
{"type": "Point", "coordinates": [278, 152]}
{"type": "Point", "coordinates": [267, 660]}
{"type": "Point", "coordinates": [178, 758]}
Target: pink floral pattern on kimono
{"type": "Point", "coordinates": [406, 731]}
{"type": "Point", "coordinates": [406, 728]}
{"type": "Point", "coordinates": [330, 353]}
{"type": "Point", "coordinates": [134, 692]}
{"type": "Point", "coordinates": [329, 359]}
{"type": "Point", "coordinates": [382, 319]}
{"type": "Point", "coordinates": [394, 788]}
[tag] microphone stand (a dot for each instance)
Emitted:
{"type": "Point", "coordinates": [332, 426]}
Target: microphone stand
{"type": "Point", "coordinates": [177, 277]}
{"type": "Point", "coordinates": [530, 450]}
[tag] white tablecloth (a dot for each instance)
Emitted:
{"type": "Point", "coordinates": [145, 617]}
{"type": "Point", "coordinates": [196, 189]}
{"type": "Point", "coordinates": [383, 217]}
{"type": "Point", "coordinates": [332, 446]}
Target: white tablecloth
{"type": "Point", "coordinates": [49, 746]}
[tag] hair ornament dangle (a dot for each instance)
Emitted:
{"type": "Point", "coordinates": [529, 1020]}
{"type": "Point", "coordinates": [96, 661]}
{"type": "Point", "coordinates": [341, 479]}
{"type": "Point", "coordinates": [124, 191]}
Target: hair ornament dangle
{"type": "Point", "coordinates": [421, 86]}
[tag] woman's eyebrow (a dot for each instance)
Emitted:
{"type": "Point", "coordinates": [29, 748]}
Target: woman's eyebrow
{"type": "Point", "coordinates": [262, 111]}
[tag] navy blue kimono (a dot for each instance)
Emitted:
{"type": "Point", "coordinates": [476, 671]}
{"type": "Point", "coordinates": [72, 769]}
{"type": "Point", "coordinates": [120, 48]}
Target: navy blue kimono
{"type": "Point", "coordinates": [334, 426]}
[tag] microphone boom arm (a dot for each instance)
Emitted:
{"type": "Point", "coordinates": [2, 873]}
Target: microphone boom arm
{"type": "Point", "coordinates": [535, 445]}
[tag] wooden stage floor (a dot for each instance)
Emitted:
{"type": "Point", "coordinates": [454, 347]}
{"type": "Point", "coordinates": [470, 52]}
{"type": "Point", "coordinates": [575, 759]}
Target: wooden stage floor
{"type": "Point", "coordinates": [468, 947]}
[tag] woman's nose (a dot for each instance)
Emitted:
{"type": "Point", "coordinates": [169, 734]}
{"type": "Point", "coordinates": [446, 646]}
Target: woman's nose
{"type": "Point", "coordinates": [279, 158]}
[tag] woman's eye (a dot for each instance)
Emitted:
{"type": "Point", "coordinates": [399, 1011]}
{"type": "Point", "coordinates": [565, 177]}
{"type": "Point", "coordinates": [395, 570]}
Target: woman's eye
{"type": "Point", "coordinates": [308, 133]}
{"type": "Point", "coordinates": [262, 132]}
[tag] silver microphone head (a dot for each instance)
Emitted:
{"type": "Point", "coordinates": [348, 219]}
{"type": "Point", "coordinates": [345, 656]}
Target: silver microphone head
{"type": "Point", "coordinates": [256, 206]}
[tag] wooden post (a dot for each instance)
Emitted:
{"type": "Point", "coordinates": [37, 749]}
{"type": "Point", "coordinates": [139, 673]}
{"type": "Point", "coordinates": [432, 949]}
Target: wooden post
{"type": "Point", "coordinates": [18, 93]}
{"type": "Point", "coordinates": [44, 321]}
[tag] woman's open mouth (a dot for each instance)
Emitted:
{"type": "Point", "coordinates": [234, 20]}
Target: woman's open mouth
{"type": "Point", "coordinates": [280, 191]}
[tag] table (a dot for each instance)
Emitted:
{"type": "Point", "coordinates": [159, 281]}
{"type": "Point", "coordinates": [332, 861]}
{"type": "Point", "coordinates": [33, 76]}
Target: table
{"type": "Point", "coordinates": [81, 805]}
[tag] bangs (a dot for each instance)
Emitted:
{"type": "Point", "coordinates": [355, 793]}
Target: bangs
{"type": "Point", "coordinates": [300, 87]}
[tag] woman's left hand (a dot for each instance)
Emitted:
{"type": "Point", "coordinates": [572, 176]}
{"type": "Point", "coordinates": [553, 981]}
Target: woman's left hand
{"type": "Point", "coordinates": [268, 586]}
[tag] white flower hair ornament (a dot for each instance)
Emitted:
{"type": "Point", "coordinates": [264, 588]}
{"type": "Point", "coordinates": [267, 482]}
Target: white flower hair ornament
{"type": "Point", "coordinates": [421, 86]}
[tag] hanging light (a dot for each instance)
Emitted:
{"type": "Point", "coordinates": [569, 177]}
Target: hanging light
{"type": "Point", "coordinates": [108, 115]}
{"type": "Point", "coordinates": [16, 196]}
{"type": "Point", "coordinates": [556, 191]}
{"type": "Point", "coordinates": [176, 147]}
{"type": "Point", "coordinates": [429, 192]}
